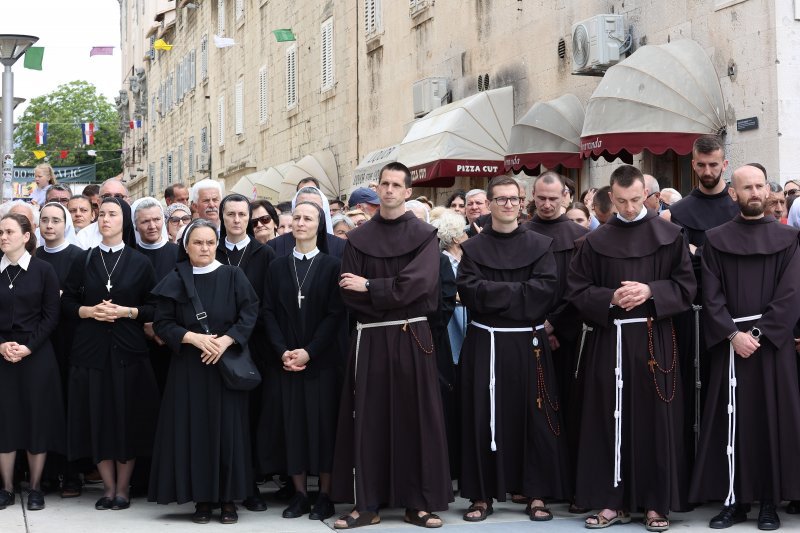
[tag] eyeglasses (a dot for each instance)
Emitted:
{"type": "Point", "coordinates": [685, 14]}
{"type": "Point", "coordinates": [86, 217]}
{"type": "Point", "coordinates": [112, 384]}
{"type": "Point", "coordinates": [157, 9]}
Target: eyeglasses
{"type": "Point", "coordinates": [265, 220]}
{"type": "Point", "coordinates": [503, 200]}
{"type": "Point", "coordinates": [793, 192]}
{"type": "Point", "coordinates": [62, 201]}
{"type": "Point", "coordinates": [118, 196]}
{"type": "Point", "coordinates": [652, 194]}
{"type": "Point", "coordinates": [185, 219]}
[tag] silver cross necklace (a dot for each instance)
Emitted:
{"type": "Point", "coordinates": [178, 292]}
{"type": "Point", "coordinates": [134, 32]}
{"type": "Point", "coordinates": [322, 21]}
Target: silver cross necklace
{"type": "Point", "coordinates": [300, 296]}
{"type": "Point", "coordinates": [108, 284]}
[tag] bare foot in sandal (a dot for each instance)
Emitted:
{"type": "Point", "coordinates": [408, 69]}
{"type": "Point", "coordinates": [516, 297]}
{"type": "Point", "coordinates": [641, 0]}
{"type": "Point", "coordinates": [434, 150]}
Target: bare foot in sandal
{"type": "Point", "coordinates": [538, 512]}
{"type": "Point", "coordinates": [356, 519]}
{"type": "Point", "coordinates": [478, 511]}
{"type": "Point", "coordinates": [606, 518]}
{"type": "Point", "coordinates": [654, 521]}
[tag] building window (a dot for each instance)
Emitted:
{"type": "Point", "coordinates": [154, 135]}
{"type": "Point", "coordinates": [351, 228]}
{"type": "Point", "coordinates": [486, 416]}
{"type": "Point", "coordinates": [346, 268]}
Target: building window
{"type": "Point", "coordinates": [152, 51]}
{"type": "Point", "coordinates": [192, 68]}
{"type": "Point", "coordinates": [151, 171]}
{"type": "Point", "coordinates": [221, 121]}
{"type": "Point", "coordinates": [239, 108]}
{"type": "Point", "coordinates": [239, 10]}
{"type": "Point", "coordinates": [416, 6]}
{"type": "Point", "coordinates": [372, 16]}
{"type": "Point", "coordinates": [262, 95]}
{"type": "Point", "coordinates": [204, 140]}
{"type": "Point", "coordinates": [191, 156]}
{"type": "Point", "coordinates": [169, 168]}
{"type": "Point", "coordinates": [204, 58]}
{"type": "Point", "coordinates": [161, 176]}
{"type": "Point", "coordinates": [326, 54]}
{"type": "Point", "coordinates": [179, 163]}
{"type": "Point", "coordinates": [291, 77]}
{"type": "Point", "coordinates": [220, 17]}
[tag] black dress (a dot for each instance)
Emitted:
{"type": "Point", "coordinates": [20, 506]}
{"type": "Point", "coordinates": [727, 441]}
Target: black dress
{"type": "Point", "coordinates": [32, 411]}
{"type": "Point", "coordinates": [113, 397]}
{"type": "Point", "coordinates": [202, 451]}
{"type": "Point", "coordinates": [309, 398]}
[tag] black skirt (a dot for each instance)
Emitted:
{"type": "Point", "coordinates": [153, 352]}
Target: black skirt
{"type": "Point", "coordinates": [112, 412]}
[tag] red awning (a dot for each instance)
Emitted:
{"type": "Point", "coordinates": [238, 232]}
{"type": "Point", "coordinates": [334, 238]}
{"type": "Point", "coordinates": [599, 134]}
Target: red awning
{"type": "Point", "coordinates": [661, 98]}
{"type": "Point", "coordinates": [442, 173]}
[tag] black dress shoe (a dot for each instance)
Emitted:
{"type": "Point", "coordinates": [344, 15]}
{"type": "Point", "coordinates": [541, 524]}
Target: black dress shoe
{"type": "Point", "coordinates": [768, 519]}
{"type": "Point", "coordinates": [255, 503]}
{"type": "Point", "coordinates": [103, 503]}
{"type": "Point", "coordinates": [298, 506]}
{"type": "Point", "coordinates": [202, 513]}
{"type": "Point", "coordinates": [119, 503]}
{"type": "Point", "coordinates": [730, 515]}
{"type": "Point", "coordinates": [793, 507]}
{"type": "Point", "coordinates": [229, 515]}
{"type": "Point", "coordinates": [6, 499]}
{"type": "Point", "coordinates": [323, 508]}
{"type": "Point", "coordinates": [35, 500]}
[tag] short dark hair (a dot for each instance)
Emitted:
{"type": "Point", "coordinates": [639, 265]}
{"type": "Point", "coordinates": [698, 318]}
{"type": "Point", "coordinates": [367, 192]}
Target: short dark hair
{"type": "Point", "coordinates": [497, 182]}
{"type": "Point", "coordinates": [760, 167]}
{"type": "Point", "coordinates": [708, 144]}
{"type": "Point", "coordinates": [312, 179]}
{"type": "Point", "coordinates": [284, 207]}
{"type": "Point", "coordinates": [580, 207]}
{"type": "Point", "coordinates": [398, 167]}
{"type": "Point", "coordinates": [336, 201]}
{"type": "Point", "coordinates": [549, 177]}
{"type": "Point", "coordinates": [62, 188]}
{"type": "Point", "coordinates": [458, 194]}
{"type": "Point", "coordinates": [81, 197]}
{"type": "Point", "coordinates": [91, 190]}
{"type": "Point", "coordinates": [267, 205]}
{"type": "Point", "coordinates": [25, 226]}
{"type": "Point", "coordinates": [602, 201]}
{"type": "Point", "coordinates": [625, 175]}
{"type": "Point", "coordinates": [169, 192]}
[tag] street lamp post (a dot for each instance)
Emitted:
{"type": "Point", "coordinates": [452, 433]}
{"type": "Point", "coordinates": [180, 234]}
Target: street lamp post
{"type": "Point", "coordinates": [12, 47]}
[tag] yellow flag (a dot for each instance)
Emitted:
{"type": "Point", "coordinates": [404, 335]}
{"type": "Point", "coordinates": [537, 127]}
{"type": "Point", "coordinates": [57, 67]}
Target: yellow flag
{"type": "Point", "coordinates": [161, 44]}
{"type": "Point", "coordinates": [38, 154]}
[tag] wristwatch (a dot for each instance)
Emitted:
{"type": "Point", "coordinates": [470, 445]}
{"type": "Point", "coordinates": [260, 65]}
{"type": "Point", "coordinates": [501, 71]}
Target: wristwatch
{"type": "Point", "coordinates": [130, 312]}
{"type": "Point", "coordinates": [755, 332]}
{"type": "Point", "coordinates": [366, 284]}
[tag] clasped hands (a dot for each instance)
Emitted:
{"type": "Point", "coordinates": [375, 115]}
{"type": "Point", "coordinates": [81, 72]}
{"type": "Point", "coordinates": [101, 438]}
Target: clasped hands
{"type": "Point", "coordinates": [295, 360]}
{"type": "Point", "coordinates": [14, 352]}
{"type": "Point", "coordinates": [211, 346]}
{"type": "Point", "coordinates": [105, 311]}
{"type": "Point", "coordinates": [745, 344]}
{"type": "Point", "coordinates": [631, 294]}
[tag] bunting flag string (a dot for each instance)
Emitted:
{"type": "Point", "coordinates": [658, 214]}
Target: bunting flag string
{"type": "Point", "coordinates": [101, 51]}
{"type": "Point", "coordinates": [88, 132]}
{"type": "Point", "coordinates": [161, 44]}
{"type": "Point", "coordinates": [41, 133]}
{"type": "Point", "coordinates": [223, 42]}
{"type": "Point", "coordinates": [135, 124]}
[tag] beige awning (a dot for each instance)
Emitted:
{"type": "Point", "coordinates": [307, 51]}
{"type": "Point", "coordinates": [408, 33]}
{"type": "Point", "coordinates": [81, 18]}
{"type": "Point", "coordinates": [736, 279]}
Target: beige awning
{"type": "Point", "coordinates": [549, 134]}
{"type": "Point", "coordinates": [320, 165]}
{"type": "Point", "coordinates": [371, 165]}
{"type": "Point", "coordinates": [661, 98]}
{"type": "Point", "coordinates": [266, 184]}
{"type": "Point", "coordinates": [466, 138]}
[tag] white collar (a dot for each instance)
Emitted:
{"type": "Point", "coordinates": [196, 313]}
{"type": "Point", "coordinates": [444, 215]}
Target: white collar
{"type": "Point", "coordinates": [115, 248]}
{"type": "Point", "coordinates": [155, 246]}
{"type": "Point", "coordinates": [206, 269]}
{"type": "Point", "coordinates": [24, 261]}
{"type": "Point", "coordinates": [56, 249]}
{"type": "Point", "coordinates": [309, 255]}
{"type": "Point", "coordinates": [239, 245]}
{"type": "Point", "coordinates": [640, 216]}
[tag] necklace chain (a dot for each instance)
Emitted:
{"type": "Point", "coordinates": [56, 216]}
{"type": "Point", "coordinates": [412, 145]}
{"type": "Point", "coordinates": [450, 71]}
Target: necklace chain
{"type": "Point", "coordinates": [11, 281]}
{"type": "Point", "coordinates": [108, 285]}
{"type": "Point", "coordinates": [244, 251]}
{"type": "Point", "coordinates": [297, 279]}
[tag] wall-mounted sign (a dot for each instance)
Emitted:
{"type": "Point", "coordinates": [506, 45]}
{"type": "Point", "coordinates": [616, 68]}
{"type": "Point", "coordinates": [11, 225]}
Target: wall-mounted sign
{"type": "Point", "coordinates": [745, 124]}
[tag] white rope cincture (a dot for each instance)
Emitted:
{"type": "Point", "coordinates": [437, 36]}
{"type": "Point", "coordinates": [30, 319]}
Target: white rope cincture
{"type": "Point", "coordinates": [730, 449]}
{"type": "Point", "coordinates": [618, 398]}
{"type": "Point", "coordinates": [361, 326]}
{"type": "Point", "coordinates": [492, 331]}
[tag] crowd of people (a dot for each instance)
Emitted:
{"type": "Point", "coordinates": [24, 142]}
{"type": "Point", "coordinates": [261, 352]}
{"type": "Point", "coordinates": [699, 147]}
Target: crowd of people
{"type": "Point", "coordinates": [624, 351]}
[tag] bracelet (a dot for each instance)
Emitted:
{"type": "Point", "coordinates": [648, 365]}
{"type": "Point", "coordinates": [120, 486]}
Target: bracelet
{"type": "Point", "coordinates": [732, 335]}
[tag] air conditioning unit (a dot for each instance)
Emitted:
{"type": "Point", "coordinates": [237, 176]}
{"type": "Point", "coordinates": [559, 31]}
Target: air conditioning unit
{"type": "Point", "coordinates": [429, 93]}
{"type": "Point", "coordinates": [596, 43]}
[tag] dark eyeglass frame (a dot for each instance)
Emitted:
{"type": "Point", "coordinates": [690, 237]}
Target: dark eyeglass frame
{"type": "Point", "coordinates": [118, 196]}
{"type": "Point", "coordinates": [175, 220]}
{"type": "Point", "coordinates": [793, 192]}
{"type": "Point", "coordinates": [264, 220]}
{"type": "Point", "coordinates": [62, 201]}
{"type": "Point", "coordinates": [515, 200]}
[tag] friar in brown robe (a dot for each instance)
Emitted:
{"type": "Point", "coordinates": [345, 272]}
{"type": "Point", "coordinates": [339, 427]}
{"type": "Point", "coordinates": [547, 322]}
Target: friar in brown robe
{"type": "Point", "coordinates": [627, 280]}
{"type": "Point", "coordinates": [751, 301]}
{"type": "Point", "coordinates": [391, 432]}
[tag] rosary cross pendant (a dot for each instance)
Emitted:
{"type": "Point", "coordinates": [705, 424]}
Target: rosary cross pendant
{"type": "Point", "coordinates": [300, 299]}
{"type": "Point", "coordinates": [108, 285]}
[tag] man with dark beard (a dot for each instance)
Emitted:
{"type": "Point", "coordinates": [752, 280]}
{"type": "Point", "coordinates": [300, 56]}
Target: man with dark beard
{"type": "Point", "coordinates": [751, 273]}
{"type": "Point", "coordinates": [706, 207]}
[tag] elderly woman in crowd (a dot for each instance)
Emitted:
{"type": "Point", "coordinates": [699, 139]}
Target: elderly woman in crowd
{"type": "Point", "coordinates": [177, 216]}
{"type": "Point", "coordinates": [420, 210]}
{"type": "Point", "coordinates": [263, 220]}
{"type": "Point", "coordinates": [357, 217]}
{"type": "Point", "coordinates": [202, 451]}
{"type": "Point", "coordinates": [341, 225]}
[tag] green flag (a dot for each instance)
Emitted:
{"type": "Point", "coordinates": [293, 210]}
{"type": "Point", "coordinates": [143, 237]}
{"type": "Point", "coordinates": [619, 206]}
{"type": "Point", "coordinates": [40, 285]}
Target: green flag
{"type": "Point", "coordinates": [33, 58]}
{"type": "Point", "coordinates": [284, 35]}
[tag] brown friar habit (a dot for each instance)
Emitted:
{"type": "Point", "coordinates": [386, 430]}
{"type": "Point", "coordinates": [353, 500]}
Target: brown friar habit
{"type": "Point", "coordinates": [391, 430]}
{"type": "Point", "coordinates": [507, 280]}
{"type": "Point", "coordinates": [565, 321]}
{"type": "Point", "coordinates": [653, 472]}
{"type": "Point", "coordinates": [751, 267]}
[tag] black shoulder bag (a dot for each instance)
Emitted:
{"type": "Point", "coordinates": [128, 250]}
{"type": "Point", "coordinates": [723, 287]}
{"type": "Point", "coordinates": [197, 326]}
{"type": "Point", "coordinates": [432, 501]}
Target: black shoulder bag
{"type": "Point", "coordinates": [236, 366]}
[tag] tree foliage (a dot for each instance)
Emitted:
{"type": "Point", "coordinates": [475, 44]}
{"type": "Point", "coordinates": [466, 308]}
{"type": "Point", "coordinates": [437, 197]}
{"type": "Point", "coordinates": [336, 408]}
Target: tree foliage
{"type": "Point", "coordinates": [64, 110]}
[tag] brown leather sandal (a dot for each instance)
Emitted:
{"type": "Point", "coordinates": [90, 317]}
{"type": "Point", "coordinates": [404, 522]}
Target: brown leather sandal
{"type": "Point", "coordinates": [484, 512]}
{"type": "Point", "coordinates": [602, 522]}
{"type": "Point", "coordinates": [364, 519]}
{"type": "Point", "coordinates": [533, 509]}
{"type": "Point", "coordinates": [412, 517]}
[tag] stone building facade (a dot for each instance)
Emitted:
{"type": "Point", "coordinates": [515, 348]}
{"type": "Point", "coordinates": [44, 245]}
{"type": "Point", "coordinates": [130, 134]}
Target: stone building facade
{"type": "Point", "coordinates": [345, 85]}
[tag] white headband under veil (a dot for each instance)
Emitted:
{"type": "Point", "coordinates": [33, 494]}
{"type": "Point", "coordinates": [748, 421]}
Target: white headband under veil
{"type": "Point", "coordinates": [164, 235]}
{"type": "Point", "coordinates": [326, 208]}
{"type": "Point", "coordinates": [69, 229]}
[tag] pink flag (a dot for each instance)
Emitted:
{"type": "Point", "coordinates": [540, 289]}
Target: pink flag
{"type": "Point", "coordinates": [102, 51]}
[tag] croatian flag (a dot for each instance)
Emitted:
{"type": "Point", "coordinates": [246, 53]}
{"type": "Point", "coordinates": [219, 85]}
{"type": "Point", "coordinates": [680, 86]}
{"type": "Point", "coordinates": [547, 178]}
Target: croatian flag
{"type": "Point", "coordinates": [135, 124]}
{"type": "Point", "coordinates": [88, 132]}
{"type": "Point", "coordinates": [41, 133]}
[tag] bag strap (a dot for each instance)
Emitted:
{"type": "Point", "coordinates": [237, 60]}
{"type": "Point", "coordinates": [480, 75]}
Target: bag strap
{"type": "Point", "coordinates": [188, 283]}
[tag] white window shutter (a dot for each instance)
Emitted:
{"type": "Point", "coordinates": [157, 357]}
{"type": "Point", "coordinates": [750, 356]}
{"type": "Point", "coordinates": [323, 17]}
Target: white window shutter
{"type": "Point", "coordinates": [221, 17]}
{"type": "Point", "coordinates": [262, 95]}
{"type": "Point", "coordinates": [326, 52]}
{"type": "Point", "coordinates": [170, 173]}
{"type": "Point", "coordinates": [239, 10]}
{"type": "Point", "coordinates": [191, 156]}
{"type": "Point", "coordinates": [239, 107]}
{"type": "Point", "coordinates": [291, 77]}
{"type": "Point", "coordinates": [180, 163]}
{"type": "Point", "coordinates": [204, 58]}
{"type": "Point", "coordinates": [221, 121]}
{"type": "Point", "coordinates": [193, 68]}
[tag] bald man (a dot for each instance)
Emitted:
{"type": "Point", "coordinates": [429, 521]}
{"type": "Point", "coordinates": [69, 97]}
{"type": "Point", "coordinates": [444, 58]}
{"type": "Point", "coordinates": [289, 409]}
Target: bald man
{"type": "Point", "coordinates": [653, 191]}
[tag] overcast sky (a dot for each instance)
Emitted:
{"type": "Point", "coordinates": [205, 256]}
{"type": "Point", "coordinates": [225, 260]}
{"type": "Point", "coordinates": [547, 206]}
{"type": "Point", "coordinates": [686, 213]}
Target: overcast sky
{"type": "Point", "coordinates": [67, 30]}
